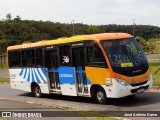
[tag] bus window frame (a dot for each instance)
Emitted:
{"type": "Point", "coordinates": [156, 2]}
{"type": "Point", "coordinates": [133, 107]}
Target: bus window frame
{"type": "Point", "coordinates": [70, 54]}
{"type": "Point", "coordinates": [42, 48]}
{"type": "Point", "coordinates": [79, 44]}
{"type": "Point", "coordinates": [50, 48]}
{"type": "Point", "coordinates": [93, 43]}
{"type": "Point", "coordinates": [87, 43]}
{"type": "Point", "coordinates": [71, 45]}
{"type": "Point", "coordinates": [33, 58]}
{"type": "Point", "coordinates": [9, 64]}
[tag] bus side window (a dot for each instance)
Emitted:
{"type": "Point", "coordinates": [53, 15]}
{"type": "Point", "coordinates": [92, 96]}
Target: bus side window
{"type": "Point", "coordinates": [65, 55]}
{"type": "Point", "coordinates": [28, 58]}
{"type": "Point", "coordinates": [39, 57]}
{"type": "Point", "coordinates": [90, 56]}
{"type": "Point", "coordinates": [14, 59]}
{"type": "Point", "coordinates": [95, 56]}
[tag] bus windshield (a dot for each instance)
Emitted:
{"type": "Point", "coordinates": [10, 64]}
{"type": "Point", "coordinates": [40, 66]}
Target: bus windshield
{"type": "Point", "coordinates": [125, 54]}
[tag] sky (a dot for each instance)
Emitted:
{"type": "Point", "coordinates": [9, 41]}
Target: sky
{"type": "Point", "coordinates": [95, 12]}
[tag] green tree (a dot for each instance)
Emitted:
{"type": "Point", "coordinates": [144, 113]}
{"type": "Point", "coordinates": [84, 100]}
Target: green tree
{"type": "Point", "coordinates": [9, 16]}
{"type": "Point", "coordinates": [17, 19]}
{"type": "Point", "coordinates": [143, 43]}
{"type": "Point", "coordinates": [148, 47]}
{"type": "Point", "coordinates": [3, 45]}
{"type": "Point", "coordinates": [16, 30]}
{"type": "Point", "coordinates": [151, 47]}
{"type": "Point", "coordinates": [93, 29]}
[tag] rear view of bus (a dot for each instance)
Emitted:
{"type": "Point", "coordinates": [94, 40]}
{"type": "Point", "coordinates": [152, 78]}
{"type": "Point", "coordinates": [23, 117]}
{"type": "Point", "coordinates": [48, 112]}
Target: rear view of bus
{"type": "Point", "coordinates": [128, 66]}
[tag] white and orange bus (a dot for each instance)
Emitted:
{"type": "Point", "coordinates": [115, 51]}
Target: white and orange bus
{"type": "Point", "coordinates": [101, 66]}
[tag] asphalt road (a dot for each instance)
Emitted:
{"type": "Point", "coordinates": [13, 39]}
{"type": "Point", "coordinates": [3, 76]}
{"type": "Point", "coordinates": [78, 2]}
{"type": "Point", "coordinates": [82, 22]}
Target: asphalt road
{"type": "Point", "coordinates": [21, 109]}
{"type": "Point", "coordinates": [4, 73]}
{"type": "Point", "coordinates": [153, 58]}
{"type": "Point", "coordinates": [148, 101]}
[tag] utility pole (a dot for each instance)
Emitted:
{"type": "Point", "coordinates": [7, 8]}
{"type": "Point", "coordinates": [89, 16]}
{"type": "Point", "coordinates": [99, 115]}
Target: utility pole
{"type": "Point", "coordinates": [1, 57]}
{"type": "Point", "coordinates": [73, 26]}
{"type": "Point", "coordinates": [133, 27]}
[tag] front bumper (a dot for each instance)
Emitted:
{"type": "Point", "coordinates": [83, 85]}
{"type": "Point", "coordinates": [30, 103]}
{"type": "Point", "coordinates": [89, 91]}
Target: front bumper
{"type": "Point", "coordinates": [119, 90]}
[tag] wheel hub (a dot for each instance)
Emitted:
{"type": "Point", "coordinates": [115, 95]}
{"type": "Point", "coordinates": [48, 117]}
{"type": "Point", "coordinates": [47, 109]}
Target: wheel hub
{"type": "Point", "coordinates": [100, 96]}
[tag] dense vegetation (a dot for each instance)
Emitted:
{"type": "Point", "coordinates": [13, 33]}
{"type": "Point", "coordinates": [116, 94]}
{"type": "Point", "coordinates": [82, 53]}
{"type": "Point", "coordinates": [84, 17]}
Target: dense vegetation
{"type": "Point", "coordinates": [16, 31]}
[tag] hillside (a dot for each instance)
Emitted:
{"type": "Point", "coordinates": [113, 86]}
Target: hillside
{"type": "Point", "coordinates": [16, 31]}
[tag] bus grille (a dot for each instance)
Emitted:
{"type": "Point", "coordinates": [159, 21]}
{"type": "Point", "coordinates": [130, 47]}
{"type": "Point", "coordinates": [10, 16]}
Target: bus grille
{"type": "Point", "coordinates": [136, 90]}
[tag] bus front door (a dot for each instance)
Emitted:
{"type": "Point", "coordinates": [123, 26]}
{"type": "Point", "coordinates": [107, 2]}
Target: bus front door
{"type": "Point", "coordinates": [79, 64]}
{"type": "Point", "coordinates": [52, 65]}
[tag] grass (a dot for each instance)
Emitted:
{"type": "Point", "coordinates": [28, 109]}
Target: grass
{"type": "Point", "coordinates": [1, 118]}
{"type": "Point", "coordinates": [157, 43]}
{"type": "Point", "coordinates": [95, 115]}
{"type": "Point", "coordinates": [4, 80]}
{"type": "Point", "coordinates": [3, 65]}
{"type": "Point", "coordinates": [107, 118]}
{"type": "Point", "coordinates": [156, 74]}
{"type": "Point", "coordinates": [155, 66]}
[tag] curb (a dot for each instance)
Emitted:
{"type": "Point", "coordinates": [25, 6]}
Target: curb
{"type": "Point", "coordinates": [69, 109]}
{"type": "Point", "coordinates": [155, 88]}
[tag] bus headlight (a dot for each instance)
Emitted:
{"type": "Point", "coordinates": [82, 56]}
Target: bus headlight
{"type": "Point", "coordinates": [122, 82]}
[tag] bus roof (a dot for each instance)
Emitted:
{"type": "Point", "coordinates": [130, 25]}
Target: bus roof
{"type": "Point", "coordinates": [111, 36]}
{"type": "Point", "coordinates": [96, 37]}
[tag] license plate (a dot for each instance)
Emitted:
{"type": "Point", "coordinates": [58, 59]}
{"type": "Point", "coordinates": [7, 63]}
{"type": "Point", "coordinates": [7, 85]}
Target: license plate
{"type": "Point", "coordinates": [140, 90]}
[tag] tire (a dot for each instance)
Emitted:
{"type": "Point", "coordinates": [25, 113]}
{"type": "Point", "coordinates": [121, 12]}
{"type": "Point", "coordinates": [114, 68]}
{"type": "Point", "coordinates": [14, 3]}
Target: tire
{"type": "Point", "coordinates": [131, 96]}
{"type": "Point", "coordinates": [100, 96]}
{"type": "Point", "coordinates": [37, 91]}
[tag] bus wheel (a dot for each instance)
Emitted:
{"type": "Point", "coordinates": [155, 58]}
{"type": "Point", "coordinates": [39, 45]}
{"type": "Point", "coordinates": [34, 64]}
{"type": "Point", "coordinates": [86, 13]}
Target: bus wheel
{"type": "Point", "coordinates": [100, 96]}
{"type": "Point", "coordinates": [131, 96]}
{"type": "Point", "coordinates": [37, 91]}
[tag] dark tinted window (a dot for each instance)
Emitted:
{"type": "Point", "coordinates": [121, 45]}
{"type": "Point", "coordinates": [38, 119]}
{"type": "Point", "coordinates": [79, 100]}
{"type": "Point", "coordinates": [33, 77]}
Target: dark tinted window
{"type": "Point", "coordinates": [124, 53]}
{"type": "Point", "coordinates": [65, 55]}
{"type": "Point", "coordinates": [39, 57]}
{"type": "Point", "coordinates": [14, 59]}
{"type": "Point", "coordinates": [95, 56]}
{"type": "Point", "coordinates": [126, 57]}
{"type": "Point", "coordinates": [28, 58]}
{"type": "Point", "coordinates": [78, 57]}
